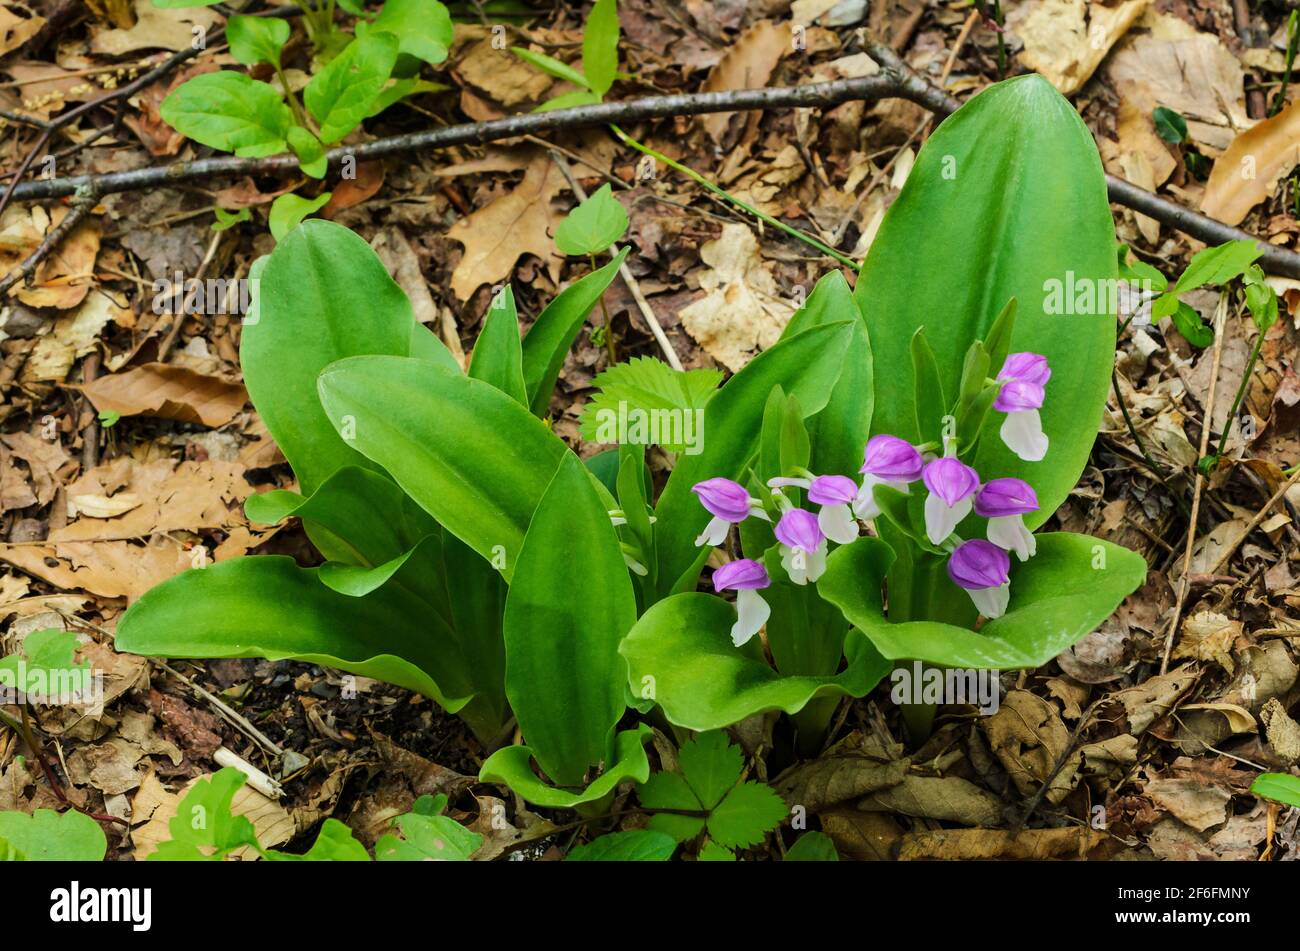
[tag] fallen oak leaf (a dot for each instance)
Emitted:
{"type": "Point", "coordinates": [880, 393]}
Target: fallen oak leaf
{"type": "Point", "coordinates": [172, 392]}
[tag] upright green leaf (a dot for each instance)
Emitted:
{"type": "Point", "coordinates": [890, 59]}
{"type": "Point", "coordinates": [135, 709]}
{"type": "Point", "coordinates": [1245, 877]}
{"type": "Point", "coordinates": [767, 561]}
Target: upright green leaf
{"type": "Point", "coordinates": [471, 456]}
{"type": "Point", "coordinates": [552, 334]}
{"type": "Point", "coordinates": [806, 366]}
{"type": "Point", "coordinates": [341, 94]}
{"type": "Point", "coordinates": [498, 354]}
{"type": "Point", "coordinates": [322, 295]}
{"type": "Point", "coordinates": [564, 676]}
{"type": "Point", "coordinates": [982, 219]}
{"type": "Point", "coordinates": [600, 46]}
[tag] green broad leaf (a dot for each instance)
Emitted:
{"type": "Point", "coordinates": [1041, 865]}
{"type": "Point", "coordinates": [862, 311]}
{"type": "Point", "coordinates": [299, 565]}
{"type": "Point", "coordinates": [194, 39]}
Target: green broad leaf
{"type": "Point", "coordinates": [322, 295]}
{"type": "Point", "coordinates": [635, 845]}
{"type": "Point", "coordinates": [1138, 271]}
{"type": "Point", "coordinates": [310, 152]}
{"type": "Point", "coordinates": [334, 843]}
{"type": "Point", "coordinates": [569, 100]}
{"type": "Point", "coordinates": [813, 847]}
{"type": "Point", "coordinates": [399, 89]}
{"type": "Point", "coordinates": [266, 606]}
{"type": "Point", "coordinates": [1009, 194]}
{"type": "Point", "coordinates": [712, 852]}
{"type": "Point", "coordinates": [427, 838]}
{"type": "Point", "coordinates": [600, 46]}
{"type": "Point", "coordinates": [747, 813]}
{"type": "Point", "coordinates": [1060, 595]}
{"type": "Point", "coordinates": [256, 40]}
{"type": "Point", "coordinates": [712, 766]}
{"type": "Point", "coordinates": [671, 792]}
{"type": "Point", "coordinates": [468, 454]}
{"type": "Point", "coordinates": [355, 7]}
{"type": "Point", "coordinates": [229, 111]}
{"type": "Point", "coordinates": [1170, 126]}
{"type": "Point", "coordinates": [512, 766]}
{"type": "Point", "coordinates": [1218, 265]}
{"type": "Point", "coordinates": [498, 356]}
{"type": "Point", "coordinates": [181, 4]}
{"type": "Point", "coordinates": [806, 366]}
{"type": "Point", "coordinates": [552, 66]}
{"type": "Point", "coordinates": [1281, 787]}
{"type": "Point", "coordinates": [680, 654]}
{"type": "Point", "coordinates": [341, 94]}
{"type": "Point", "coordinates": [47, 836]}
{"type": "Point", "coordinates": [840, 431]}
{"type": "Point", "coordinates": [47, 670]}
{"type": "Point", "coordinates": [564, 675]}
{"type": "Point", "coordinates": [204, 828]}
{"type": "Point", "coordinates": [357, 517]}
{"type": "Point", "coordinates": [644, 401]}
{"type": "Point", "coordinates": [422, 27]}
{"type": "Point", "coordinates": [1194, 330]}
{"type": "Point", "coordinates": [228, 219]}
{"type": "Point", "coordinates": [593, 226]}
{"type": "Point", "coordinates": [288, 212]}
{"type": "Point", "coordinates": [548, 340]}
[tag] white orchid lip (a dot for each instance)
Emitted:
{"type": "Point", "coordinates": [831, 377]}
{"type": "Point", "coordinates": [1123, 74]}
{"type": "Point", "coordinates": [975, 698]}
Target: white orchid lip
{"type": "Point", "coordinates": [952, 486]}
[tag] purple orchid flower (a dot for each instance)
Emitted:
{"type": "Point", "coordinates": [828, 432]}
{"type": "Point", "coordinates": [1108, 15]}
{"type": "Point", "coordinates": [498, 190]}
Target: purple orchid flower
{"type": "Point", "coordinates": [803, 546]}
{"type": "Point", "coordinates": [890, 461]}
{"type": "Point", "coordinates": [1023, 376]}
{"type": "Point", "coordinates": [729, 503]}
{"type": "Point", "coordinates": [835, 495]}
{"type": "Point", "coordinates": [982, 569]}
{"type": "Point", "coordinates": [952, 485]}
{"type": "Point", "coordinates": [1005, 502]}
{"type": "Point", "coordinates": [746, 577]}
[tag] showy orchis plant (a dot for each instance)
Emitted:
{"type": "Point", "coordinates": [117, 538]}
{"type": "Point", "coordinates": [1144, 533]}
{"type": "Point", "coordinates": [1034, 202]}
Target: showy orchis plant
{"type": "Point", "coordinates": [471, 556]}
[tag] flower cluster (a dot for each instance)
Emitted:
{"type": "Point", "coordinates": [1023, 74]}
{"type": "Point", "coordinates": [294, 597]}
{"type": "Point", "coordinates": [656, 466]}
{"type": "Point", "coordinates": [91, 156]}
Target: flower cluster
{"type": "Point", "coordinates": [954, 489]}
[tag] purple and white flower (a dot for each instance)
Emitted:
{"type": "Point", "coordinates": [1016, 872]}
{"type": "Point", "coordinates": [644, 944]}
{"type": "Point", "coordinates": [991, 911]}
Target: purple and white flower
{"type": "Point", "coordinates": [889, 461]}
{"type": "Point", "coordinates": [952, 486]}
{"type": "Point", "coordinates": [1005, 502]}
{"type": "Point", "coordinates": [835, 495]}
{"type": "Point", "coordinates": [803, 546]}
{"type": "Point", "coordinates": [746, 577]}
{"type": "Point", "coordinates": [983, 570]}
{"type": "Point", "coordinates": [1023, 377]}
{"type": "Point", "coordinates": [729, 503]}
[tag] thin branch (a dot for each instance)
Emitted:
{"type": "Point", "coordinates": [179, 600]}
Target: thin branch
{"type": "Point", "coordinates": [81, 207]}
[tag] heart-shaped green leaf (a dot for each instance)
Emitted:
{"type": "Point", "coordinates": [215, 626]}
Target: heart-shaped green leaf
{"type": "Point", "coordinates": [422, 27]}
{"type": "Point", "coordinates": [593, 226]}
{"type": "Point", "coordinates": [256, 40]}
{"type": "Point", "coordinates": [342, 93]}
{"type": "Point", "coordinates": [229, 111]}
{"type": "Point", "coordinates": [47, 836]}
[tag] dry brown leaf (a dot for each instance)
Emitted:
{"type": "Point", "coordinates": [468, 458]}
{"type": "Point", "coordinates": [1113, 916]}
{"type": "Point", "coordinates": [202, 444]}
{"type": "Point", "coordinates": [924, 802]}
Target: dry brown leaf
{"type": "Point", "coordinates": [855, 766]}
{"type": "Point", "coordinates": [1066, 40]}
{"type": "Point", "coordinates": [741, 312]}
{"type": "Point", "coordinates": [16, 30]}
{"type": "Point", "coordinates": [73, 336]}
{"type": "Point", "coordinates": [517, 223]}
{"type": "Point", "coordinates": [947, 798]}
{"type": "Point", "coordinates": [501, 75]}
{"type": "Point", "coordinates": [156, 28]}
{"type": "Point", "coordinates": [1208, 636]}
{"type": "Point", "coordinates": [108, 569]}
{"type": "Point", "coordinates": [1250, 168]}
{"type": "Point", "coordinates": [101, 506]}
{"type": "Point", "coordinates": [747, 64]}
{"type": "Point", "coordinates": [1191, 801]}
{"type": "Point", "coordinates": [1028, 737]}
{"type": "Point", "coordinates": [273, 825]}
{"type": "Point", "coordinates": [172, 392]}
{"type": "Point", "coordinates": [64, 278]}
{"type": "Point", "coordinates": [976, 844]}
{"type": "Point", "coordinates": [1164, 61]}
{"type": "Point", "coordinates": [46, 461]}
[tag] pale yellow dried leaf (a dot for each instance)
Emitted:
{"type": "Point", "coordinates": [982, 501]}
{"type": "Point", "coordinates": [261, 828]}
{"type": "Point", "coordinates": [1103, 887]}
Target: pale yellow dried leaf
{"type": "Point", "coordinates": [1250, 168]}
{"type": "Point", "coordinates": [1066, 40]}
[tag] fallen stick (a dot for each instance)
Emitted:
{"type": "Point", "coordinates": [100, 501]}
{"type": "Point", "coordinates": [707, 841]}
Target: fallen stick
{"type": "Point", "coordinates": [894, 81]}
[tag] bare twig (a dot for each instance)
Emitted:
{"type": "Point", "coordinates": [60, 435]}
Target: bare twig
{"type": "Point", "coordinates": [81, 207]}
{"type": "Point", "coordinates": [1254, 522]}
